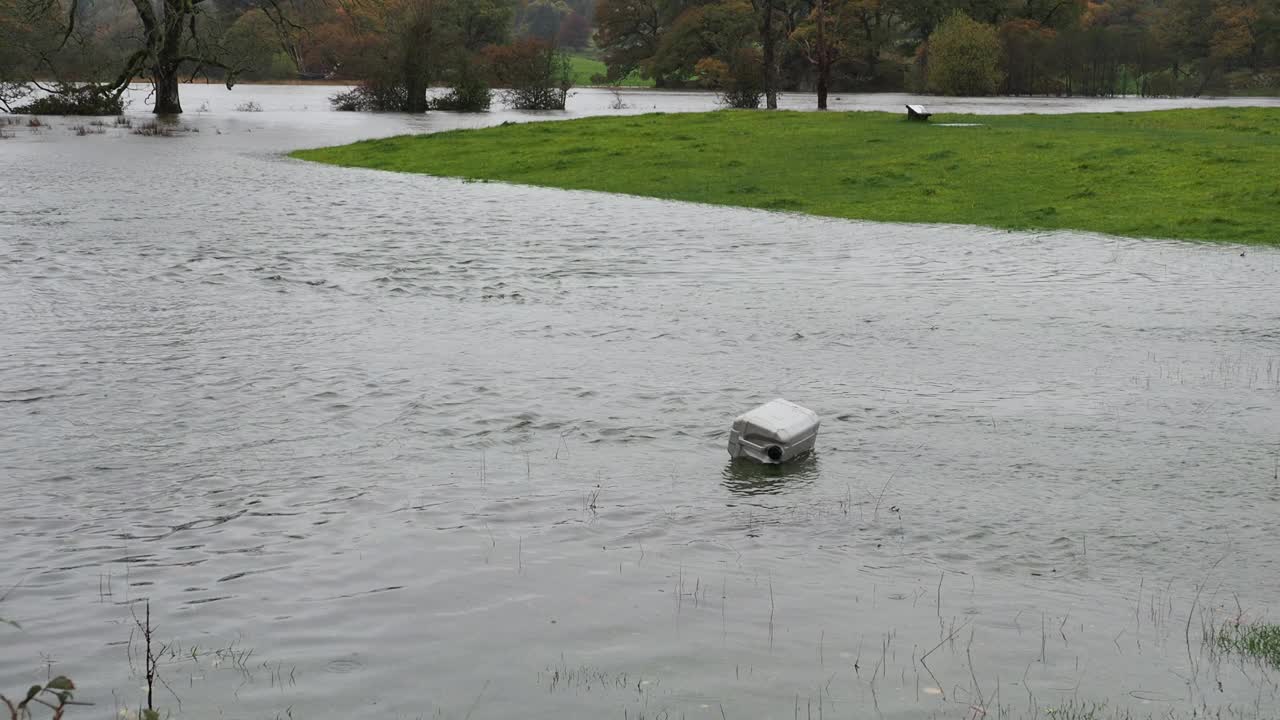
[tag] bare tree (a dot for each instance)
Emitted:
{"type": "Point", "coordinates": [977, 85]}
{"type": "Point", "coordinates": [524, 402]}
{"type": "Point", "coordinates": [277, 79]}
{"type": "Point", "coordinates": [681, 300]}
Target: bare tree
{"type": "Point", "coordinates": [176, 40]}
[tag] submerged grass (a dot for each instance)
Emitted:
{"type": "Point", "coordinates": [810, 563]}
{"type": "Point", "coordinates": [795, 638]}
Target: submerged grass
{"type": "Point", "coordinates": [1260, 641]}
{"type": "Point", "coordinates": [1191, 174]}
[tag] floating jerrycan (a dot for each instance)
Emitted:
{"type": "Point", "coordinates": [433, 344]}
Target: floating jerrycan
{"type": "Point", "coordinates": [773, 433]}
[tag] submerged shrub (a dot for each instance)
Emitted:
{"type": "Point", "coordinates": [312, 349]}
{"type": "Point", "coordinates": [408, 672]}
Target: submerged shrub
{"type": "Point", "coordinates": [472, 97]}
{"type": "Point", "coordinates": [534, 74]}
{"type": "Point", "coordinates": [468, 91]}
{"type": "Point", "coordinates": [372, 96]}
{"type": "Point", "coordinates": [739, 82]}
{"type": "Point", "coordinates": [158, 128]}
{"type": "Point", "coordinates": [69, 99]}
{"type": "Point", "coordinates": [741, 98]}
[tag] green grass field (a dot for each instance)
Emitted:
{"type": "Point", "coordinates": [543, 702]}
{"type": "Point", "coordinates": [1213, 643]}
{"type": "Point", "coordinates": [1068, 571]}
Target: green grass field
{"type": "Point", "coordinates": [1192, 174]}
{"type": "Point", "coordinates": [585, 67]}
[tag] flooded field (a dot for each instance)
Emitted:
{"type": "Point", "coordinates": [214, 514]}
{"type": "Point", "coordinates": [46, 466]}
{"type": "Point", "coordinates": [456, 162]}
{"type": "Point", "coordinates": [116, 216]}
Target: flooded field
{"type": "Point", "coordinates": [415, 447]}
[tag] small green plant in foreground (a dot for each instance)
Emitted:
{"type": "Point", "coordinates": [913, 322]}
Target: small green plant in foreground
{"type": "Point", "coordinates": [57, 695]}
{"type": "Point", "coordinates": [1205, 174]}
{"type": "Point", "coordinates": [1258, 640]}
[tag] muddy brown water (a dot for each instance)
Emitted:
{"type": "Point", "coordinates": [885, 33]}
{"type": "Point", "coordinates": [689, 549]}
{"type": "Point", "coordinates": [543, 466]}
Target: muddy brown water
{"type": "Point", "coordinates": [377, 443]}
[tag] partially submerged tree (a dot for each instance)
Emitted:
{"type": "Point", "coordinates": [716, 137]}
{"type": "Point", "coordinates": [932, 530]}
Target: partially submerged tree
{"type": "Point", "coordinates": [13, 86]}
{"type": "Point", "coordinates": [172, 40]}
{"type": "Point", "coordinates": [534, 74]}
{"type": "Point", "coordinates": [767, 11]}
{"type": "Point", "coordinates": [821, 39]}
{"type": "Point", "coordinates": [468, 88]}
{"type": "Point", "coordinates": [406, 45]}
{"type": "Point", "coordinates": [35, 46]}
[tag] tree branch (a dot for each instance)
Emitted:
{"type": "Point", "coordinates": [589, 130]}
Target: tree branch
{"type": "Point", "coordinates": [71, 23]}
{"type": "Point", "coordinates": [131, 68]}
{"type": "Point", "coordinates": [200, 62]}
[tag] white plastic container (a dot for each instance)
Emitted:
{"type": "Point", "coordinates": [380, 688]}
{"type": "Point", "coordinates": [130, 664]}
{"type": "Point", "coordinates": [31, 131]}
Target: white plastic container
{"type": "Point", "coordinates": [773, 433]}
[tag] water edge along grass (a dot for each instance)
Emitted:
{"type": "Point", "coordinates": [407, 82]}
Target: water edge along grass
{"type": "Point", "coordinates": [1206, 174]}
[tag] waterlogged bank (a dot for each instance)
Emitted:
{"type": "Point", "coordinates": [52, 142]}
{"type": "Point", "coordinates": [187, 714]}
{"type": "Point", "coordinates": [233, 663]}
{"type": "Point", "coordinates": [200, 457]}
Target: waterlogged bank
{"type": "Point", "coordinates": [432, 447]}
{"type": "Point", "coordinates": [1203, 174]}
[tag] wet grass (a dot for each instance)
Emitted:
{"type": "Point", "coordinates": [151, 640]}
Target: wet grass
{"type": "Point", "coordinates": [1187, 174]}
{"type": "Point", "coordinates": [1259, 641]}
{"type": "Point", "coordinates": [1082, 710]}
{"type": "Point", "coordinates": [584, 68]}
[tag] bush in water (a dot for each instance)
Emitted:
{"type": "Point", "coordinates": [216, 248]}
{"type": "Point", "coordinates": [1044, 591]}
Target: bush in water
{"type": "Point", "coordinates": [69, 99]}
{"type": "Point", "coordinates": [740, 82]}
{"type": "Point", "coordinates": [534, 74]}
{"type": "Point", "coordinates": [468, 91]}
{"type": "Point", "coordinates": [372, 97]}
{"type": "Point", "coordinates": [473, 96]}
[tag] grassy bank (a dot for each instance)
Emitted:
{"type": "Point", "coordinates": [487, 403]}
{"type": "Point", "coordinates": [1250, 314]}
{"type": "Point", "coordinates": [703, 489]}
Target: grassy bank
{"type": "Point", "coordinates": [585, 68]}
{"type": "Point", "coordinates": [1195, 174]}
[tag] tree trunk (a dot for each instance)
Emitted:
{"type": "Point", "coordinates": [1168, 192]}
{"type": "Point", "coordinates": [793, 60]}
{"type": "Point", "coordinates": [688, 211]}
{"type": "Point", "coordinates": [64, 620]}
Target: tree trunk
{"type": "Point", "coordinates": [165, 79]}
{"type": "Point", "coordinates": [768, 51]}
{"type": "Point", "coordinates": [824, 57]}
{"type": "Point", "coordinates": [417, 90]}
{"type": "Point", "coordinates": [415, 74]}
{"type": "Point", "coordinates": [417, 57]}
{"type": "Point", "coordinates": [168, 53]}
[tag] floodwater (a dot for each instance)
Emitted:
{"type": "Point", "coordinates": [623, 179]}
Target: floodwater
{"type": "Point", "coordinates": [384, 444]}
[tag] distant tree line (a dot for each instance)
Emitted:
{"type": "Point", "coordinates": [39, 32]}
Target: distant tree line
{"type": "Point", "coordinates": [747, 50]}
{"type": "Point", "coordinates": [397, 49]}
{"type": "Point", "coordinates": [750, 49]}
{"type": "Point", "coordinates": [85, 53]}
